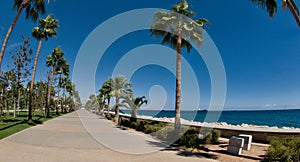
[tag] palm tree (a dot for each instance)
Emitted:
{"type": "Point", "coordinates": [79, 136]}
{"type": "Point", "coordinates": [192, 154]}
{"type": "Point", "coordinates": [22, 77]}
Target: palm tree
{"type": "Point", "coordinates": [61, 69]}
{"type": "Point", "coordinates": [53, 61]}
{"type": "Point", "coordinates": [46, 29]}
{"type": "Point", "coordinates": [64, 82]}
{"type": "Point", "coordinates": [92, 102]}
{"type": "Point", "coordinates": [70, 88]}
{"type": "Point", "coordinates": [120, 87]}
{"type": "Point", "coordinates": [172, 27]}
{"type": "Point", "coordinates": [32, 8]}
{"type": "Point", "coordinates": [106, 91]}
{"type": "Point", "coordinates": [271, 6]}
{"type": "Point", "coordinates": [133, 104]}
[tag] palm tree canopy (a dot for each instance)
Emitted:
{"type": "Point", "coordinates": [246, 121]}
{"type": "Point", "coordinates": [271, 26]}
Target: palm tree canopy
{"type": "Point", "coordinates": [133, 103]}
{"type": "Point", "coordinates": [62, 67]}
{"type": "Point", "coordinates": [46, 28]}
{"type": "Point", "coordinates": [167, 25]}
{"type": "Point", "coordinates": [33, 8]}
{"type": "Point", "coordinates": [56, 55]}
{"type": "Point", "coordinates": [70, 87]}
{"type": "Point", "coordinates": [120, 86]}
{"type": "Point", "coordinates": [106, 89]}
{"type": "Point", "coordinates": [272, 6]}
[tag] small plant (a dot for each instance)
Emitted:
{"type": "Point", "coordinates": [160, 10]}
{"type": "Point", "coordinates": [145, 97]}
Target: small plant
{"type": "Point", "coordinates": [133, 125]}
{"type": "Point", "coordinates": [125, 122]}
{"type": "Point", "coordinates": [215, 135]}
{"type": "Point", "coordinates": [284, 149]}
{"type": "Point", "coordinates": [211, 138]}
{"type": "Point", "coordinates": [190, 138]}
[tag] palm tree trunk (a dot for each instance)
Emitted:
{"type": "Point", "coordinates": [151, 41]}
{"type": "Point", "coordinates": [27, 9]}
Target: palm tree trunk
{"type": "Point", "coordinates": [58, 95]}
{"type": "Point", "coordinates": [49, 91]}
{"type": "Point", "coordinates": [133, 117]}
{"type": "Point", "coordinates": [108, 104]}
{"type": "Point", "coordinates": [293, 11]}
{"type": "Point", "coordinates": [32, 79]}
{"type": "Point", "coordinates": [117, 110]}
{"type": "Point", "coordinates": [24, 4]}
{"type": "Point", "coordinates": [178, 83]}
{"type": "Point", "coordinates": [63, 100]}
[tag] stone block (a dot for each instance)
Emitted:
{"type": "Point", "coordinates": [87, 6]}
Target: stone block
{"type": "Point", "coordinates": [247, 141]}
{"type": "Point", "coordinates": [234, 150]}
{"type": "Point", "coordinates": [236, 141]}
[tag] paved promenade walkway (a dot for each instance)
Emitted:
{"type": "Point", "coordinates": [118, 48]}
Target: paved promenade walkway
{"type": "Point", "coordinates": [82, 136]}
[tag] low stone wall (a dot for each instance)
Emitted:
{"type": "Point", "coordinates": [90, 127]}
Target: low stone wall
{"type": "Point", "coordinates": [258, 135]}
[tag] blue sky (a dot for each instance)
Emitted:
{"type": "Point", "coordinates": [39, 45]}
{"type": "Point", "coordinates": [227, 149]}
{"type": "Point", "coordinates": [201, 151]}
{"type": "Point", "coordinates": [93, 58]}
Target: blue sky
{"type": "Point", "coordinates": [261, 55]}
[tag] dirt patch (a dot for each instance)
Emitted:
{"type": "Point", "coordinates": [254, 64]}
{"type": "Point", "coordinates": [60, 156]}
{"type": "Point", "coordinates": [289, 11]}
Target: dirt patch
{"type": "Point", "coordinates": [219, 152]}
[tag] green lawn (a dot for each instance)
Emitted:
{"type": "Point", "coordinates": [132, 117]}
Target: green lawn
{"type": "Point", "coordinates": [12, 125]}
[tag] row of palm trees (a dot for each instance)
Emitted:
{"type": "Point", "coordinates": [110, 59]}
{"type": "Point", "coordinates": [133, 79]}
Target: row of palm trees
{"type": "Point", "coordinates": [119, 88]}
{"type": "Point", "coordinates": [46, 29]}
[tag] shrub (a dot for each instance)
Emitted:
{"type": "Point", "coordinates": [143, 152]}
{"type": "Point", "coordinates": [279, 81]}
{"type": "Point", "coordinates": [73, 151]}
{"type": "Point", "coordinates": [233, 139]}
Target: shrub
{"type": "Point", "coordinates": [211, 138]}
{"type": "Point", "coordinates": [215, 136]}
{"type": "Point", "coordinates": [141, 125]}
{"type": "Point", "coordinates": [190, 138]}
{"type": "Point", "coordinates": [284, 149]}
{"type": "Point", "coordinates": [125, 122]}
{"type": "Point", "coordinates": [133, 125]}
{"type": "Point", "coordinates": [163, 133]}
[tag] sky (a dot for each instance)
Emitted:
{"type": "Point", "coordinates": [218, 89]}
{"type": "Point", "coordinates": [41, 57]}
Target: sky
{"type": "Point", "coordinates": [260, 55]}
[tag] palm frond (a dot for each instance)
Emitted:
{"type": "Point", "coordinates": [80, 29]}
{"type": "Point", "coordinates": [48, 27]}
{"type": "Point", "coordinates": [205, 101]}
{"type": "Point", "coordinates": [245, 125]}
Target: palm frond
{"type": "Point", "coordinates": [295, 6]}
{"type": "Point", "coordinates": [270, 5]}
{"type": "Point", "coordinates": [17, 4]}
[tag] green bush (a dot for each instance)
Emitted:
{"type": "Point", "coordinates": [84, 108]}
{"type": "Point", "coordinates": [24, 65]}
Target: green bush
{"type": "Point", "coordinates": [141, 125]}
{"type": "Point", "coordinates": [215, 136]}
{"type": "Point", "coordinates": [284, 149]}
{"type": "Point", "coordinates": [190, 138]}
{"type": "Point", "coordinates": [163, 133]}
{"type": "Point", "coordinates": [125, 122]}
{"type": "Point", "coordinates": [133, 125]}
{"type": "Point", "coordinates": [211, 138]}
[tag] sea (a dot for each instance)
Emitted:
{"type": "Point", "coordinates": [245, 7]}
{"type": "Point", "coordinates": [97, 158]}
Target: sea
{"type": "Point", "coordinates": [271, 118]}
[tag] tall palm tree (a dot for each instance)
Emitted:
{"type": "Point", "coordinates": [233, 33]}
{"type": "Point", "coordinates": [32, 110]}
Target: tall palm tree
{"type": "Point", "coordinates": [70, 88]}
{"type": "Point", "coordinates": [32, 8]}
{"type": "Point", "coordinates": [52, 61]}
{"type": "Point", "coordinates": [172, 27]}
{"type": "Point", "coordinates": [120, 87]}
{"type": "Point", "coordinates": [45, 30]}
{"type": "Point", "coordinates": [106, 91]}
{"type": "Point", "coordinates": [64, 81]}
{"type": "Point", "coordinates": [272, 6]}
{"type": "Point", "coordinates": [133, 104]}
{"type": "Point", "coordinates": [61, 69]}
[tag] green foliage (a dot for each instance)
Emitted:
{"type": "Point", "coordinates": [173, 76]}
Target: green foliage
{"type": "Point", "coordinates": [140, 126]}
{"type": "Point", "coordinates": [215, 136]}
{"type": "Point", "coordinates": [133, 125]}
{"type": "Point", "coordinates": [211, 138]}
{"type": "Point", "coordinates": [125, 122]}
{"type": "Point", "coordinates": [284, 149]}
{"type": "Point", "coordinates": [190, 138]}
{"type": "Point", "coordinates": [165, 132]}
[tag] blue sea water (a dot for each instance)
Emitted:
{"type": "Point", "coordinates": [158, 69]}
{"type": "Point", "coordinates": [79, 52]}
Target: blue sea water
{"type": "Point", "coordinates": [279, 118]}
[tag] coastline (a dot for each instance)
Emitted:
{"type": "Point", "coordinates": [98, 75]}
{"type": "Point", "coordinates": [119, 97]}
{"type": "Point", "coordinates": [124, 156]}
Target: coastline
{"type": "Point", "coordinates": [221, 125]}
{"type": "Point", "coordinates": [260, 134]}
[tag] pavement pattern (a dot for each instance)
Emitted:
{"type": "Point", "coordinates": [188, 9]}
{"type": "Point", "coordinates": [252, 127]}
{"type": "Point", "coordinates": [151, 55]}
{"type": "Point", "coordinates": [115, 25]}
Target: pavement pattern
{"type": "Point", "coordinates": [83, 136]}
